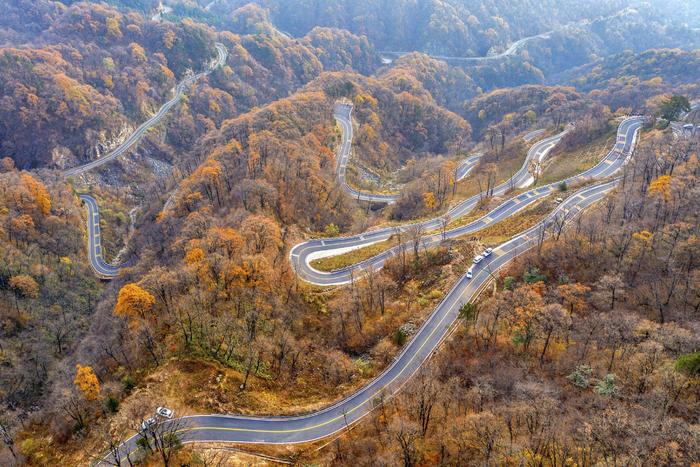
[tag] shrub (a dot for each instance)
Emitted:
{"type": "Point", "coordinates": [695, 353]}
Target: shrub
{"type": "Point", "coordinates": [508, 283]}
{"type": "Point", "coordinates": [468, 312]}
{"type": "Point", "coordinates": [606, 386]}
{"type": "Point", "coordinates": [689, 364]}
{"type": "Point", "coordinates": [581, 376]}
{"type": "Point", "coordinates": [129, 384]}
{"type": "Point", "coordinates": [332, 230]}
{"type": "Point", "coordinates": [399, 337]}
{"type": "Point", "coordinates": [111, 404]}
{"type": "Point", "coordinates": [532, 275]}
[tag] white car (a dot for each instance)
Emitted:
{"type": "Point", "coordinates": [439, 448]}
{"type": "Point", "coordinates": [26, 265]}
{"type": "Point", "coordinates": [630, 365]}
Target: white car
{"type": "Point", "coordinates": [558, 200]}
{"type": "Point", "coordinates": [164, 412]}
{"type": "Point", "coordinates": [470, 272]}
{"type": "Point", "coordinates": [149, 422]}
{"type": "Point", "coordinates": [478, 259]}
{"type": "Point", "coordinates": [487, 252]}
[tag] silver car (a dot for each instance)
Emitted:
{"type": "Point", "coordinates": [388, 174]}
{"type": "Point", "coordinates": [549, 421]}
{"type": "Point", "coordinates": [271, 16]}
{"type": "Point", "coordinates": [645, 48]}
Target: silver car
{"type": "Point", "coordinates": [148, 423]}
{"type": "Point", "coordinates": [164, 412]}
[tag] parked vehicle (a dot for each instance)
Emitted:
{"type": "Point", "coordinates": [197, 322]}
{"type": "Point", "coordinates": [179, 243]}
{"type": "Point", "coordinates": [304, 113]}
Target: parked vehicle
{"type": "Point", "coordinates": [487, 252]}
{"type": "Point", "coordinates": [470, 272]}
{"type": "Point", "coordinates": [164, 412]}
{"type": "Point", "coordinates": [148, 423]}
{"type": "Point", "coordinates": [478, 259]}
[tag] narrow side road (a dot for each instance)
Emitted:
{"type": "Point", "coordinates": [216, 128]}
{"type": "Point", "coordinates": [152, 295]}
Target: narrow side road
{"type": "Point", "coordinates": [154, 120]}
{"type": "Point", "coordinates": [342, 114]}
{"type": "Point", "coordinates": [102, 268]}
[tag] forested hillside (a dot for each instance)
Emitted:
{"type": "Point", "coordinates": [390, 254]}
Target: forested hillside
{"type": "Point", "coordinates": [92, 74]}
{"type": "Point", "coordinates": [445, 27]}
{"type": "Point", "coordinates": [583, 352]}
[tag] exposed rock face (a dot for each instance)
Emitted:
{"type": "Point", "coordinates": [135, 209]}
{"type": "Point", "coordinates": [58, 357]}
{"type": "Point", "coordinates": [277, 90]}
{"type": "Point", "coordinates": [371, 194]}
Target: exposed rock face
{"type": "Point", "coordinates": [108, 141]}
{"type": "Point", "coordinates": [63, 158]}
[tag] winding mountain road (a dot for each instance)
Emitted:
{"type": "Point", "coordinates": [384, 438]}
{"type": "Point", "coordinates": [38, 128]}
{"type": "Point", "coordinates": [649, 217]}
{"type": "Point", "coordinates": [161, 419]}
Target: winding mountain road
{"type": "Point", "coordinates": [101, 268]}
{"type": "Point", "coordinates": [515, 46]}
{"type": "Point", "coordinates": [302, 255]}
{"type": "Point", "coordinates": [512, 50]}
{"type": "Point", "coordinates": [154, 120]}
{"type": "Point", "coordinates": [339, 416]}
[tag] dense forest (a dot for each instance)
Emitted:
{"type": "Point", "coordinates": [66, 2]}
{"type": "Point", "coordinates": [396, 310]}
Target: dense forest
{"type": "Point", "coordinates": [559, 363]}
{"type": "Point", "coordinates": [94, 73]}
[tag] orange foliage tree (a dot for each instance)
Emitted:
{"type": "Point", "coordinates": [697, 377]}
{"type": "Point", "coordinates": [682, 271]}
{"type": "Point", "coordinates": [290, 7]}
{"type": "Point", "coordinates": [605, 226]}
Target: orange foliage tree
{"type": "Point", "coordinates": [86, 381]}
{"type": "Point", "coordinates": [38, 192]}
{"type": "Point", "coordinates": [133, 302]}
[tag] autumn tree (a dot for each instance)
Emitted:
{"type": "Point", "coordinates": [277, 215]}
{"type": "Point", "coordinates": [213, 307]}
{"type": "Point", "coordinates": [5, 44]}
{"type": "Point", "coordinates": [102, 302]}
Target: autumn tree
{"type": "Point", "coordinates": [23, 286]}
{"type": "Point", "coordinates": [86, 381]}
{"type": "Point", "coordinates": [133, 302]}
{"type": "Point", "coordinates": [261, 233]}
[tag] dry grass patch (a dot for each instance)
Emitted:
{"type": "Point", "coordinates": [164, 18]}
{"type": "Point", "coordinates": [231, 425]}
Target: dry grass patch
{"type": "Point", "coordinates": [332, 263]}
{"type": "Point", "coordinates": [566, 164]}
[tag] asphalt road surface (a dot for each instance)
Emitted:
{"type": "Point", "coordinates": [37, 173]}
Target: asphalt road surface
{"type": "Point", "coordinates": [102, 268]}
{"type": "Point", "coordinates": [339, 416]}
{"type": "Point", "coordinates": [515, 46]}
{"type": "Point", "coordinates": [538, 152]}
{"type": "Point", "coordinates": [301, 255]}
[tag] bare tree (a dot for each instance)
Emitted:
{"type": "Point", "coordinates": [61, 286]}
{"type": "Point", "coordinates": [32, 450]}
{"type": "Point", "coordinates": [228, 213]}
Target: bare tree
{"type": "Point", "coordinates": [415, 234]}
{"type": "Point", "coordinates": [444, 222]}
{"type": "Point", "coordinates": [164, 439]}
{"type": "Point", "coordinates": [7, 438]}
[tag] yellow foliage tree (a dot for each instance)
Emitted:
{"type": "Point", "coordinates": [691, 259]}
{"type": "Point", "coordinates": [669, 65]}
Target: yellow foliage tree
{"type": "Point", "coordinates": [86, 381]}
{"type": "Point", "coordinates": [194, 256]}
{"type": "Point", "coordinates": [113, 27]}
{"type": "Point", "coordinates": [39, 193]}
{"type": "Point", "coordinates": [661, 186]}
{"type": "Point", "coordinates": [137, 52]}
{"type": "Point", "coordinates": [133, 302]}
{"type": "Point", "coordinates": [429, 200]}
{"type": "Point", "coordinates": [643, 236]}
{"type": "Point", "coordinates": [169, 39]}
{"type": "Point", "coordinates": [167, 72]}
{"type": "Point", "coordinates": [107, 81]}
{"type": "Point", "coordinates": [24, 286]}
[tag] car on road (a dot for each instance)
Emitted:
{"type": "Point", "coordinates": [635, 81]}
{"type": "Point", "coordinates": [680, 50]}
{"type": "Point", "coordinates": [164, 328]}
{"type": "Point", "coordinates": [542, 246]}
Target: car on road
{"type": "Point", "coordinates": [470, 272]}
{"type": "Point", "coordinates": [148, 423]}
{"type": "Point", "coordinates": [487, 252]}
{"type": "Point", "coordinates": [478, 259]}
{"type": "Point", "coordinates": [164, 412]}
